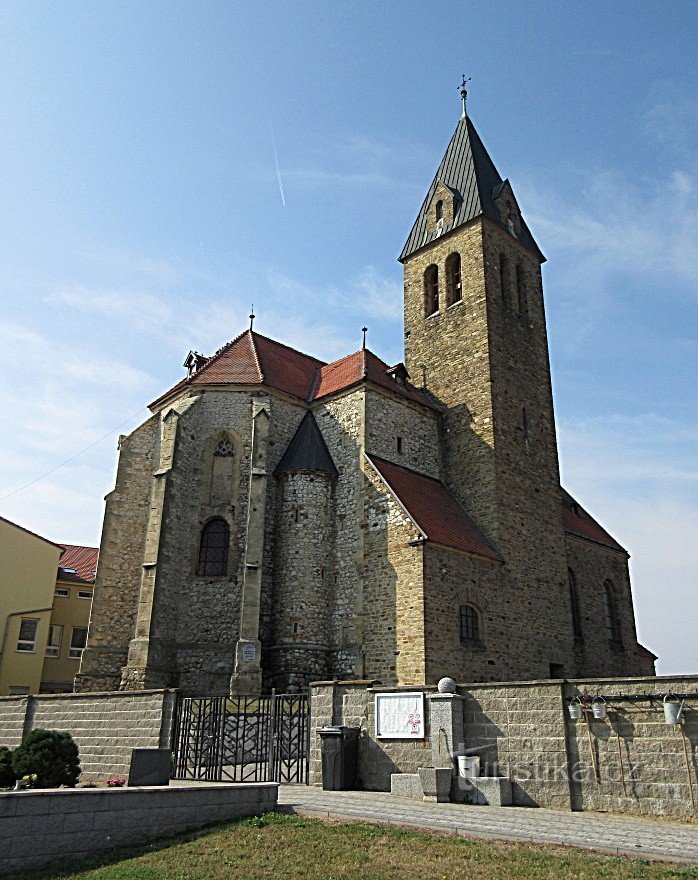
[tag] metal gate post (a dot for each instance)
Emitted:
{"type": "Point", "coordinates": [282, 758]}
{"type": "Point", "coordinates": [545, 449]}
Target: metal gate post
{"type": "Point", "coordinates": [271, 755]}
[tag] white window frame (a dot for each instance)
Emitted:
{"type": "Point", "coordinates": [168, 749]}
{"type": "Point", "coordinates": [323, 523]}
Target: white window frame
{"type": "Point", "coordinates": [64, 592]}
{"type": "Point", "coordinates": [74, 652]}
{"type": "Point", "coordinates": [84, 594]}
{"type": "Point", "coordinates": [54, 650]}
{"type": "Point", "coordinates": [27, 646]}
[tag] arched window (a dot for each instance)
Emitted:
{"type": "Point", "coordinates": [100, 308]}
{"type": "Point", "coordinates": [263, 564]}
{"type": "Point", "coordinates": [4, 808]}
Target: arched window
{"type": "Point", "coordinates": [222, 472]}
{"type": "Point", "coordinates": [431, 290]}
{"type": "Point", "coordinates": [213, 548]}
{"type": "Point", "coordinates": [574, 604]}
{"type": "Point", "coordinates": [609, 605]}
{"type": "Point", "coordinates": [454, 290]}
{"type": "Point", "coordinates": [439, 210]}
{"type": "Point", "coordinates": [520, 289]}
{"type": "Point", "coordinates": [503, 277]}
{"type": "Point", "coordinates": [469, 623]}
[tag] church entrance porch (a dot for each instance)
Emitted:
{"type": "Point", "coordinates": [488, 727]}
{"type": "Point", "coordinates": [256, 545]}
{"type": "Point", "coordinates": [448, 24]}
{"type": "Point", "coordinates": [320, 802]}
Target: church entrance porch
{"type": "Point", "coordinates": [242, 739]}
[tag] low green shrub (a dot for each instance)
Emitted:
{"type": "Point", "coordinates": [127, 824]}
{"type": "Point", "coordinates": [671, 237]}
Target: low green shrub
{"type": "Point", "coordinates": [50, 754]}
{"type": "Point", "coordinates": [7, 776]}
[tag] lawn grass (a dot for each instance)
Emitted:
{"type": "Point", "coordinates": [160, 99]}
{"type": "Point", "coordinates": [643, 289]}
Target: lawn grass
{"type": "Point", "coordinates": [294, 848]}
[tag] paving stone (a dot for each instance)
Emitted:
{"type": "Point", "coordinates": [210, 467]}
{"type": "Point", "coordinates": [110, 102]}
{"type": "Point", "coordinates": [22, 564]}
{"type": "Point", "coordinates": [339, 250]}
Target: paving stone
{"type": "Point", "coordinates": [616, 834]}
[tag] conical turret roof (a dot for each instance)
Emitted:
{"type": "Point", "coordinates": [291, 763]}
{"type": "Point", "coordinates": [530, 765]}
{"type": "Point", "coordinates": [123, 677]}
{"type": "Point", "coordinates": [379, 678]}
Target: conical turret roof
{"type": "Point", "coordinates": [307, 451]}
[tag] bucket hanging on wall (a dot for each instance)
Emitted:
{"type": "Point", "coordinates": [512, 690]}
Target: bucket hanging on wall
{"type": "Point", "coordinates": [576, 709]}
{"type": "Point", "coordinates": [672, 709]}
{"type": "Point", "coordinates": [599, 709]}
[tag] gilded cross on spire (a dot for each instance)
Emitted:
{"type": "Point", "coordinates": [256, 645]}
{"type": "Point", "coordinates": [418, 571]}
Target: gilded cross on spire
{"type": "Point", "coordinates": [464, 93]}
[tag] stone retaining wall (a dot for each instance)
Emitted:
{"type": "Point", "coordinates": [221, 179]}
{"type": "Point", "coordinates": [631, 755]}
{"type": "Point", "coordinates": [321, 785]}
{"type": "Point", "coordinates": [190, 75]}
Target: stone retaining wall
{"type": "Point", "coordinates": [522, 730]}
{"type": "Point", "coordinates": [105, 726]}
{"type": "Point", "coordinates": [49, 827]}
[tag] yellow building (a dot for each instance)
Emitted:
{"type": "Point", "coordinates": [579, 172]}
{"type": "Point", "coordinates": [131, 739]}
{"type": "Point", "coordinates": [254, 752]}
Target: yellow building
{"type": "Point", "coordinates": [28, 566]}
{"type": "Point", "coordinates": [45, 601]}
{"type": "Point", "coordinates": [72, 601]}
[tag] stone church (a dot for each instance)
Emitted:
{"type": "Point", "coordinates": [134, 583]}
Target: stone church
{"type": "Point", "coordinates": [279, 519]}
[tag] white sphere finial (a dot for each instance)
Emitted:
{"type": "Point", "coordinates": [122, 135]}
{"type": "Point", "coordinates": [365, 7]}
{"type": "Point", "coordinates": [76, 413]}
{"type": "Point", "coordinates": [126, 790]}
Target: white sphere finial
{"type": "Point", "coordinates": [447, 686]}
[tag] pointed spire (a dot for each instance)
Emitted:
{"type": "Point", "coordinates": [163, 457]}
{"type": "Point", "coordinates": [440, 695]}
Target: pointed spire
{"type": "Point", "coordinates": [468, 173]}
{"type": "Point", "coordinates": [252, 317]}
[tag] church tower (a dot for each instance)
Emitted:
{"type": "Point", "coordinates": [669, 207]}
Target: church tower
{"type": "Point", "coordinates": [475, 334]}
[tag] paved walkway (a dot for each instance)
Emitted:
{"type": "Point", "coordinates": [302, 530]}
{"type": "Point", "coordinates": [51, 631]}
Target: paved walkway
{"type": "Point", "coordinates": [618, 835]}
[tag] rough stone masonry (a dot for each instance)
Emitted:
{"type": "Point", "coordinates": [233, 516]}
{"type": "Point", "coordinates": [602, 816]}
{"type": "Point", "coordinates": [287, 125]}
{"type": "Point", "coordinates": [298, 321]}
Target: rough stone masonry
{"type": "Point", "coordinates": [279, 519]}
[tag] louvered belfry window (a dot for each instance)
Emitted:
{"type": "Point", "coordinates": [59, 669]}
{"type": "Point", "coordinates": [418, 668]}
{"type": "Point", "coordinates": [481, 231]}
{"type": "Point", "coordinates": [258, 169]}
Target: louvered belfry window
{"type": "Point", "coordinates": [453, 279]}
{"type": "Point", "coordinates": [213, 549]}
{"type": "Point", "coordinates": [431, 290]}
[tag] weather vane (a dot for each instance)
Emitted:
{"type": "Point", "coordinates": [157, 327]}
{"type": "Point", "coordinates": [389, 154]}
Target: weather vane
{"type": "Point", "coordinates": [252, 316]}
{"type": "Point", "coordinates": [364, 330]}
{"type": "Point", "coordinates": [464, 92]}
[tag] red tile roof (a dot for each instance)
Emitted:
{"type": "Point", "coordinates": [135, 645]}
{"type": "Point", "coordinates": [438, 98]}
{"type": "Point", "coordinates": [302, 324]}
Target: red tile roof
{"type": "Point", "coordinates": [252, 359]}
{"type": "Point", "coordinates": [578, 522]}
{"type": "Point", "coordinates": [83, 560]}
{"type": "Point", "coordinates": [356, 367]}
{"type": "Point", "coordinates": [434, 510]}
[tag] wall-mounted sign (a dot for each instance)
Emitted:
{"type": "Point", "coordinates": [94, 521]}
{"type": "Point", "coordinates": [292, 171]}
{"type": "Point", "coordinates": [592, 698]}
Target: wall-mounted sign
{"type": "Point", "coordinates": [249, 654]}
{"type": "Point", "coordinates": [400, 716]}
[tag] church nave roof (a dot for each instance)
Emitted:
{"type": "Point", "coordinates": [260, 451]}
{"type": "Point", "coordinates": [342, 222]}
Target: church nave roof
{"type": "Point", "coordinates": [253, 359]}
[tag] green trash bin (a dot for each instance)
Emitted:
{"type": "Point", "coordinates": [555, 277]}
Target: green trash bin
{"type": "Point", "coordinates": [340, 757]}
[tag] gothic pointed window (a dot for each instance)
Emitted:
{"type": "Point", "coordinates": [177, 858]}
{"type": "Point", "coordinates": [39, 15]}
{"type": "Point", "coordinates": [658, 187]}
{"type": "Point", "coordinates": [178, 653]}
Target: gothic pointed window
{"type": "Point", "coordinates": [454, 288]}
{"type": "Point", "coordinates": [213, 548]}
{"type": "Point", "coordinates": [574, 604]}
{"type": "Point", "coordinates": [520, 290]}
{"type": "Point", "coordinates": [611, 613]}
{"type": "Point", "coordinates": [222, 472]}
{"type": "Point", "coordinates": [431, 290]}
{"type": "Point", "coordinates": [503, 277]}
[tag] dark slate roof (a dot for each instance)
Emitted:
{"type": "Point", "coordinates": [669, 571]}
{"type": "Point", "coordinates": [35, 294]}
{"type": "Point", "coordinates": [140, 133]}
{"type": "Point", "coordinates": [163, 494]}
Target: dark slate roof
{"type": "Point", "coordinates": [434, 509]}
{"type": "Point", "coordinates": [466, 168]}
{"type": "Point", "coordinates": [580, 524]}
{"type": "Point", "coordinates": [307, 451]}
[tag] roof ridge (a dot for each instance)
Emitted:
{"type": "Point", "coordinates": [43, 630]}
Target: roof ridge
{"type": "Point", "coordinates": [256, 355]}
{"type": "Point", "coordinates": [215, 356]}
{"type": "Point", "coordinates": [314, 383]}
{"type": "Point", "coordinates": [77, 546]}
{"type": "Point", "coordinates": [286, 346]}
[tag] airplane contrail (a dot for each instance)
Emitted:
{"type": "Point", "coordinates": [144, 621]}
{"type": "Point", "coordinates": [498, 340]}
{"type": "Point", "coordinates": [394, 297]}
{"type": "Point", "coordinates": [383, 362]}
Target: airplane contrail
{"type": "Point", "coordinates": [278, 171]}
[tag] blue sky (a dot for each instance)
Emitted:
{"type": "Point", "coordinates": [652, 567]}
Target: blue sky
{"type": "Point", "coordinates": [140, 216]}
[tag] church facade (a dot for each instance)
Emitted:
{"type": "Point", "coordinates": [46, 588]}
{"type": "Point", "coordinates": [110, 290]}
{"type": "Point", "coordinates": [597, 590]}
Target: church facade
{"type": "Point", "coordinates": [279, 520]}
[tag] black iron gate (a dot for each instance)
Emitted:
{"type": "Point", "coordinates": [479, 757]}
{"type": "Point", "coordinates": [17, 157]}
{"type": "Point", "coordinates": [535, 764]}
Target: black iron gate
{"type": "Point", "coordinates": [242, 739]}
